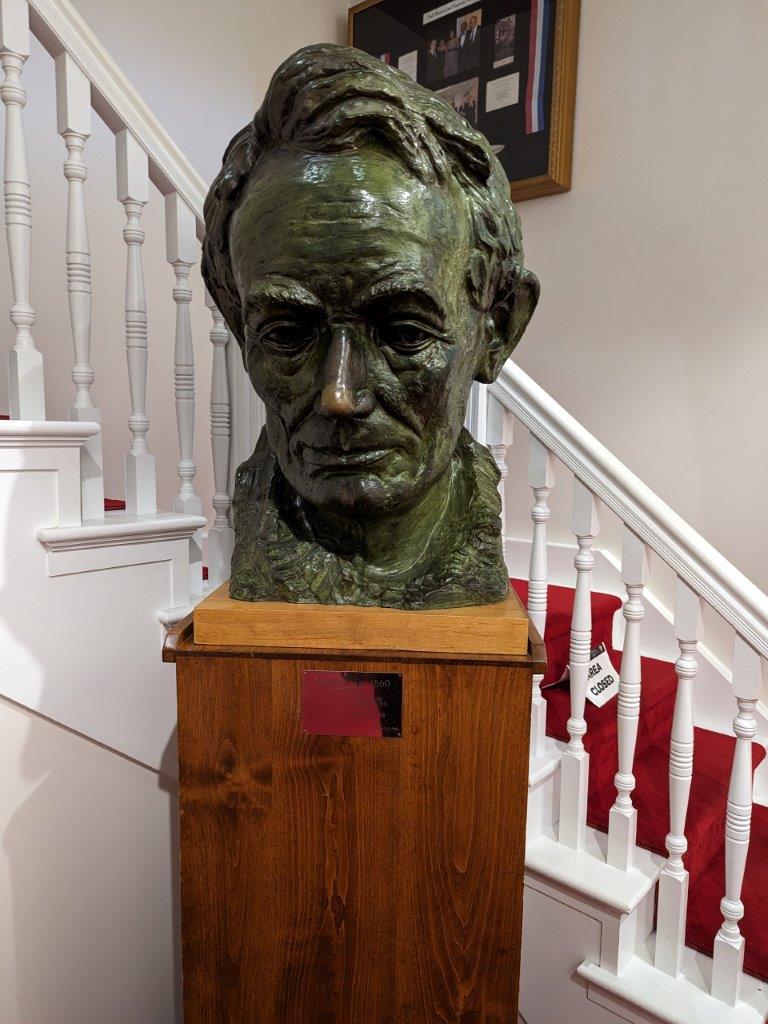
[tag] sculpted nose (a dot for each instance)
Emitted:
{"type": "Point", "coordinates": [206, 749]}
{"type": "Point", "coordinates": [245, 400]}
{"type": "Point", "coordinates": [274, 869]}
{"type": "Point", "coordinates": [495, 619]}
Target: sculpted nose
{"type": "Point", "coordinates": [340, 395]}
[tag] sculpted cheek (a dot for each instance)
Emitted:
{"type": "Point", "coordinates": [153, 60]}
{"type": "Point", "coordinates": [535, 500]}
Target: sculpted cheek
{"type": "Point", "coordinates": [283, 381]}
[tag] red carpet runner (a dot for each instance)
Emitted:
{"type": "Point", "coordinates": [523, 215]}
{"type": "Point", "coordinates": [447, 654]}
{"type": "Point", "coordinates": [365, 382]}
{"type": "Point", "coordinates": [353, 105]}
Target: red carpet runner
{"type": "Point", "coordinates": [712, 758]}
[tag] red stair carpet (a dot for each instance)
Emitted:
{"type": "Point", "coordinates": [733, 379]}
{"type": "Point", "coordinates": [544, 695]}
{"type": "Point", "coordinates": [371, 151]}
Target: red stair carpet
{"type": "Point", "coordinates": [713, 753]}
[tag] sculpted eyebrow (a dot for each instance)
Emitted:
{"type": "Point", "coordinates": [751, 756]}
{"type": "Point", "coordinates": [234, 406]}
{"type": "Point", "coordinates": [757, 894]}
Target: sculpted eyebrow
{"type": "Point", "coordinates": [275, 291]}
{"type": "Point", "coordinates": [400, 289]}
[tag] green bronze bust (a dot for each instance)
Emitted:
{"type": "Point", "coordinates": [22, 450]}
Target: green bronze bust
{"type": "Point", "coordinates": [362, 247]}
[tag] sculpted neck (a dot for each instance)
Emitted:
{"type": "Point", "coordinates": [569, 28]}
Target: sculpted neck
{"type": "Point", "coordinates": [443, 552]}
{"type": "Point", "coordinates": [396, 543]}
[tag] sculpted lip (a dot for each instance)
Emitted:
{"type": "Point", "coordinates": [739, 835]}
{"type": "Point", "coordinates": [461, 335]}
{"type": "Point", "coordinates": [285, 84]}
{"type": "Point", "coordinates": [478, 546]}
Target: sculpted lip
{"type": "Point", "coordinates": [328, 457]}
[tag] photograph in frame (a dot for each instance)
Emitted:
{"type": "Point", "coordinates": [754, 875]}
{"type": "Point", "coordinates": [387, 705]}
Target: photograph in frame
{"type": "Point", "coordinates": [508, 66]}
{"type": "Point", "coordinates": [504, 41]}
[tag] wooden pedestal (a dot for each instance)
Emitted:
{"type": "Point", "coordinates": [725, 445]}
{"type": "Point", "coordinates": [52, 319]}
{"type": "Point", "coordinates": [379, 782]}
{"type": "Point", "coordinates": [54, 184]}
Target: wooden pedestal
{"type": "Point", "coordinates": [351, 879]}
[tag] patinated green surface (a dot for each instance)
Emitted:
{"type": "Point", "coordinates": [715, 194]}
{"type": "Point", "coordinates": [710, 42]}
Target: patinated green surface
{"type": "Point", "coordinates": [363, 250]}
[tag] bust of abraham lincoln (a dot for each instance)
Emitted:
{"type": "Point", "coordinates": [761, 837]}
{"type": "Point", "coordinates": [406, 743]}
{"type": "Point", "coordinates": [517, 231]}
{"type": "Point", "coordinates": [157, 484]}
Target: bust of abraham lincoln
{"type": "Point", "coordinates": [362, 247]}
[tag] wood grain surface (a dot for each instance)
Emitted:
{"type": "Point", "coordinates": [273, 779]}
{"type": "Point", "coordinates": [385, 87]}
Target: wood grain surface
{"type": "Point", "coordinates": [347, 880]}
{"type": "Point", "coordinates": [500, 628]}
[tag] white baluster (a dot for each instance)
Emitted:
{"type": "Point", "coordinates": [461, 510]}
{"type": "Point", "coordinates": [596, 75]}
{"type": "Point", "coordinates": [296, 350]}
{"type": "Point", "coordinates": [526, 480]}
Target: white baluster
{"type": "Point", "coordinates": [133, 193]}
{"type": "Point", "coordinates": [25, 362]}
{"type": "Point", "coordinates": [574, 764]}
{"type": "Point", "coordinates": [182, 249]}
{"type": "Point", "coordinates": [73, 116]}
{"type": "Point", "coordinates": [221, 534]}
{"type": "Point", "coordinates": [673, 880]}
{"type": "Point", "coordinates": [541, 477]}
{"type": "Point", "coordinates": [476, 420]}
{"type": "Point", "coordinates": [622, 827]}
{"type": "Point", "coordinates": [499, 437]}
{"type": "Point", "coordinates": [728, 952]}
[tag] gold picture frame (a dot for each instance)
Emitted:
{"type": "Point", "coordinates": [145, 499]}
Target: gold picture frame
{"type": "Point", "coordinates": [564, 56]}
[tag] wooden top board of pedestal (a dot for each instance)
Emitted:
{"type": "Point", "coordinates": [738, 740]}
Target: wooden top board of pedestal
{"type": "Point", "coordinates": [500, 629]}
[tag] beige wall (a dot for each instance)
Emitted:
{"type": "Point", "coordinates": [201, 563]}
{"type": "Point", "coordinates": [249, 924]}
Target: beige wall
{"type": "Point", "coordinates": [202, 66]}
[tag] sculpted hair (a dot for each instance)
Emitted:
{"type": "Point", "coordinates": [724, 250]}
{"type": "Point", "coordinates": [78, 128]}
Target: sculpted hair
{"type": "Point", "coordinates": [329, 98]}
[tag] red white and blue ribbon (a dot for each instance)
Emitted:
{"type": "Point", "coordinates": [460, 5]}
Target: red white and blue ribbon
{"type": "Point", "coordinates": [541, 12]}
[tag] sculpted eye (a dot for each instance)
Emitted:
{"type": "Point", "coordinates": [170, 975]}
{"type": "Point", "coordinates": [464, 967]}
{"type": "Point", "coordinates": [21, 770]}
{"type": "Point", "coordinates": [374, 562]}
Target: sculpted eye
{"type": "Point", "coordinates": [286, 337]}
{"type": "Point", "coordinates": [405, 336]}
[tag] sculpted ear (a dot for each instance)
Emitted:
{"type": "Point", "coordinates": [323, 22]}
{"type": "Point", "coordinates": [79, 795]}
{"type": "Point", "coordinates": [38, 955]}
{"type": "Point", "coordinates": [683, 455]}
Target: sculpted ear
{"type": "Point", "coordinates": [507, 321]}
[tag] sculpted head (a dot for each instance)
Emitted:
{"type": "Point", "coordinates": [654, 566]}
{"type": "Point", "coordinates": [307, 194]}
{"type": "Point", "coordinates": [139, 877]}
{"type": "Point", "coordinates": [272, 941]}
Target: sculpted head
{"type": "Point", "coordinates": [362, 247]}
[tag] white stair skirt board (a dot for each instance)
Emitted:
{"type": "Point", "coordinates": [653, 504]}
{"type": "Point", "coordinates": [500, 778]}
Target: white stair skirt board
{"type": "Point", "coordinates": [641, 993]}
{"type": "Point", "coordinates": [79, 635]}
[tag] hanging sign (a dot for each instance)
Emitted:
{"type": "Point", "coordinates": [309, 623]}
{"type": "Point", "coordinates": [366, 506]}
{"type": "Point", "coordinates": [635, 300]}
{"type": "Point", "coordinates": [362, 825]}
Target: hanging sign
{"type": "Point", "coordinates": [602, 677]}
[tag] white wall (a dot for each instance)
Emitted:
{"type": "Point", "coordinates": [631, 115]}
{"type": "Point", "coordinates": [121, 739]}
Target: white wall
{"type": "Point", "coordinates": [653, 318]}
{"type": "Point", "coordinates": [88, 914]}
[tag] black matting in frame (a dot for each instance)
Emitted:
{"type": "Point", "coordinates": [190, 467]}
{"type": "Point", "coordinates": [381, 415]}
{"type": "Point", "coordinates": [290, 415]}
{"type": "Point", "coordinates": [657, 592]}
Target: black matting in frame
{"type": "Point", "coordinates": [393, 29]}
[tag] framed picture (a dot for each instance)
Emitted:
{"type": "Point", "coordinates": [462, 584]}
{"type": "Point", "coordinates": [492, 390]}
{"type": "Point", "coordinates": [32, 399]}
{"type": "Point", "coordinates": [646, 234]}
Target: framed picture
{"type": "Point", "coordinates": [508, 66]}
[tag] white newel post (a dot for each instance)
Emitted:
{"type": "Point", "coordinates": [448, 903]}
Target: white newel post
{"type": "Point", "coordinates": [73, 116]}
{"type": "Point", "coordinates": [574, 765]}
{"type": "Point", "coordinates": [541, 478]}
{"type": "Point", "coordinates": [622, 825]}
{"type": "Point", "coordinates": [182, 249]}
{"type": "Point", "coordinates": [133, 193]}
{"type": "Point", "coordinates": [25, 362]}
{"type": "Point", "coordinates": [673, 880]}
{"type": "Point", "coordinates": [221, 534]}
{"type": "Point", "coordinates": [728, 951]}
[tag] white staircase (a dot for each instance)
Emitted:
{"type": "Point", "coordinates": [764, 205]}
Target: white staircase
{"type": "Point", "coordinates": [633, 966]}
{"type": "Point", "coordinates": [75, 582]}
